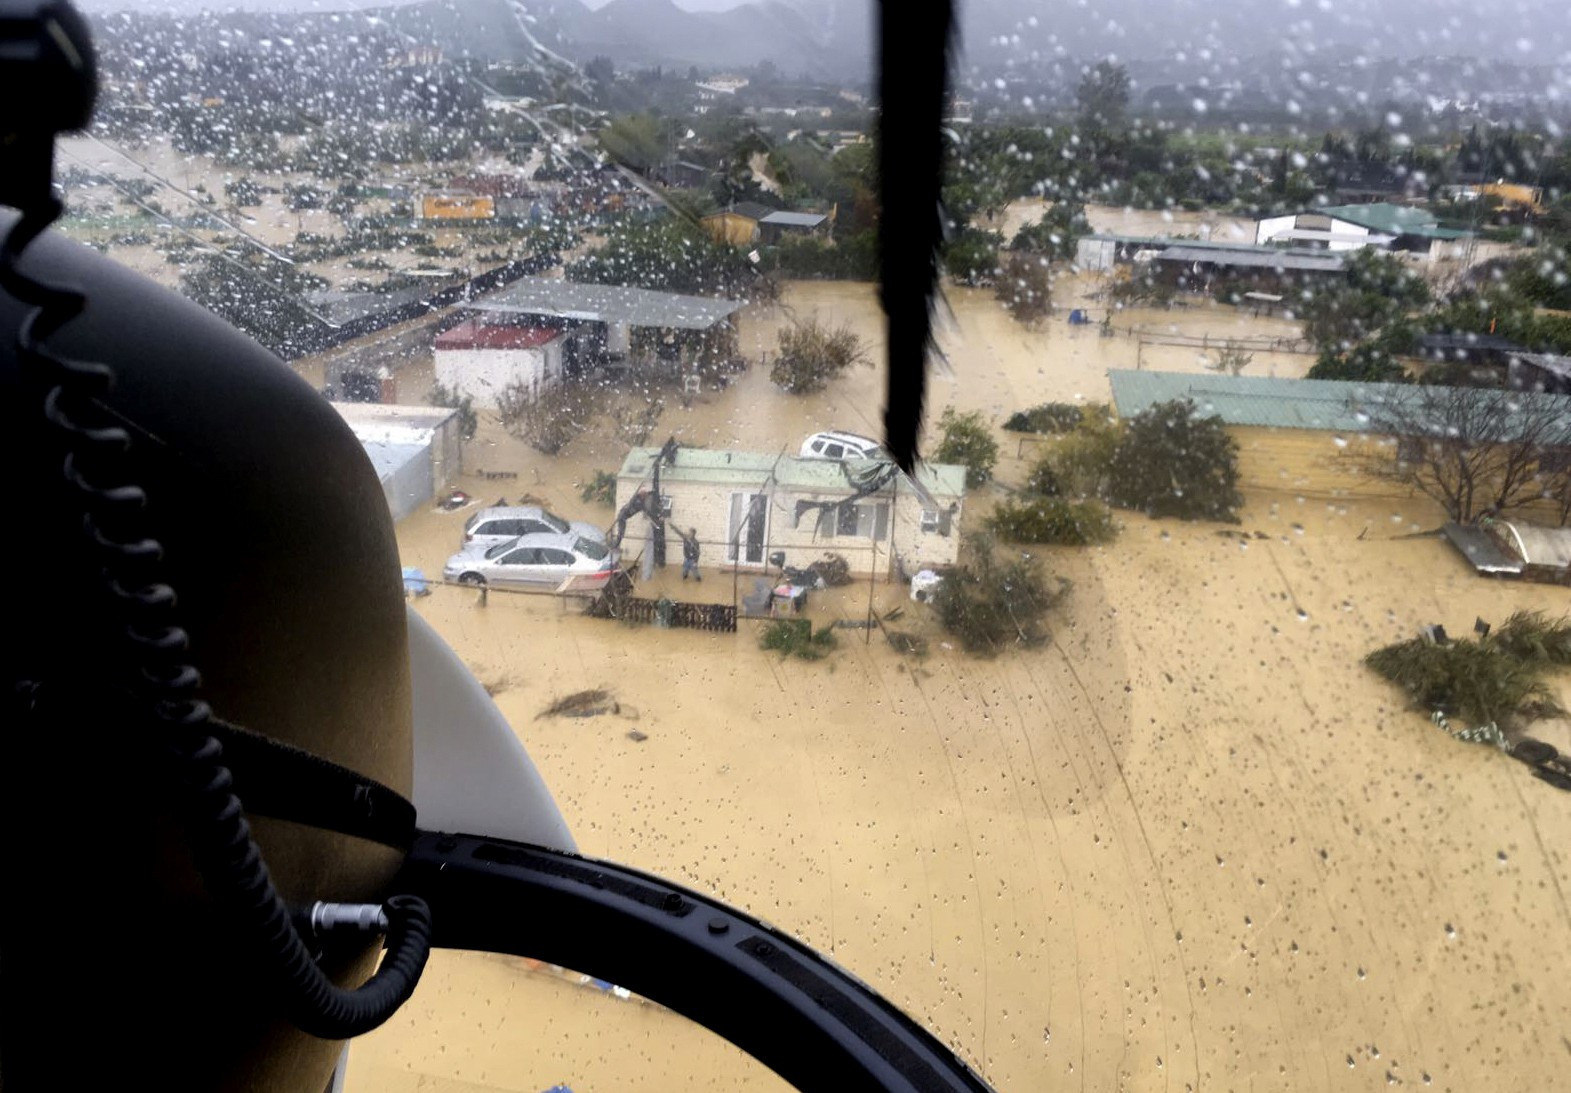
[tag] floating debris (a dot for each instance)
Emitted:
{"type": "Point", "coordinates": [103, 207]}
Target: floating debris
{"type": "Point", "coordinates": [591, 703]}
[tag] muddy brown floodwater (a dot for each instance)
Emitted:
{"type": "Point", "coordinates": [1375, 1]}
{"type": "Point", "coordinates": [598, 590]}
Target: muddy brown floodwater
{"type": "Point", "coordinates": [1190, 844]}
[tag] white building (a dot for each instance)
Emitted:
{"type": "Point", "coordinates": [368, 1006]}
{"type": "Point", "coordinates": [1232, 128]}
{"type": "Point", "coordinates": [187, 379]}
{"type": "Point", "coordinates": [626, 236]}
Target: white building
{"type": "Point", "coordinates": [1353, 227]}
{"type": "Point", "coordinates": [483, 360]}
{"type": "Point", "coordinates": [748, 506]}
{"type": "Point", "coordinates": [416, 450]}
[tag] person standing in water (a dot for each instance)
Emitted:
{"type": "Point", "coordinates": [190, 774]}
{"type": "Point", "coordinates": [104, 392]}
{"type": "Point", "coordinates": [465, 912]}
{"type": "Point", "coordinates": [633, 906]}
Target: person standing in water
{"type": "Point", "coordinates": [689, 553]}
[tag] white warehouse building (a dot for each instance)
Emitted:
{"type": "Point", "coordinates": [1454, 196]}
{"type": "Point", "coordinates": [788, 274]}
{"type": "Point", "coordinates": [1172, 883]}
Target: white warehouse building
{"type": "Point", "coordinates": [482, 360]}
{"type": "Point", "coordinates": [1353, 227]}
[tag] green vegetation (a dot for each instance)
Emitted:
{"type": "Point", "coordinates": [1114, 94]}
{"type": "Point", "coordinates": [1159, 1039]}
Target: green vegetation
{"type": "Point", "coordinates": [669, 255]}
{"type": "Point", "coordinates": [811, 356]}
{"type": "Point", "coordinates": [1047, 417]}
{"type": "Point", "coordinates": [971, 257]}
{"type": "Point", "coordinates": [1494, 680]}
{"type": "Point", "coordinates": [1054, 235]}
{"type": "Point", "coordinates": [797, 638]}
{"type": "Point", "coordinates": [601, 488]}
{"type": "Point", "coordinates": [468, 420]}
{"type": "Point", "coordinates": [552, 419]}
{"type": "Point", "coordinates": [1025, 288]}
{"type": "Point", "coordinates": [1379, 289]}
{"type": "Point", "coordinates": [1172, 462]}
{"type": "Point", "coordinates": [988, 605]}
{"type": "Point", "coordinates": [1053, 520]}
{"type": "Point", "coordinates": [969, 442]}
{"type": "Point", "coordinates": [1078, 462]}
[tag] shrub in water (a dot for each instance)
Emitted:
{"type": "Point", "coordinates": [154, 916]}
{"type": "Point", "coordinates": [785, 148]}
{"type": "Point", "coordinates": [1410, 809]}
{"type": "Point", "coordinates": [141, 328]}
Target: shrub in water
{"type": "Point", "coordinates": [601, 488]}
{"type": "Point", "coordinates": [1052, 520]}
{"type": "Point", "coordinates": [797, 638]}
{"type": "Point", "coordinates": [988, 604]}
{"type": "Point", "coordinates": [1049, 417]}
{"type": "Point", "coordinates": [968, 442]}
{"type": "Point", "coordinates": [1172, 462]}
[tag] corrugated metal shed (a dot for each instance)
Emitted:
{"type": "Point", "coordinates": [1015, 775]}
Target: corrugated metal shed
{"type": "Point", "coordinates": [1332, 405]}
{"type": "Point", "coordinates": [607, 304]}
{"type": "Point", "coordinates": [792, 472]}
{"type": "Point", "coordinates": [1482, 552]}
{"type": "Point", "coordinates": [1540, 547]}
{"type": "Point", "coordinates": [794, 220]}
{"type": "Point", "coordinates": [1261, 258]}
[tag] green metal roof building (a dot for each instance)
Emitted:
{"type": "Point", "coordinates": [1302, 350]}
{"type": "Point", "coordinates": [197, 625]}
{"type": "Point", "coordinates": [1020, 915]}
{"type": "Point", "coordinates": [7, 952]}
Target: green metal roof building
{"type": "Point", "coordinates": [1334, 406]}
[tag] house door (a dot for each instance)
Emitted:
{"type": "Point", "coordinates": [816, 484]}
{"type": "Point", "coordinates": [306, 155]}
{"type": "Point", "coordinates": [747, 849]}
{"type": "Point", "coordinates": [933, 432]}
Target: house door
{"type": "Point", "coordinates": [745, 528]}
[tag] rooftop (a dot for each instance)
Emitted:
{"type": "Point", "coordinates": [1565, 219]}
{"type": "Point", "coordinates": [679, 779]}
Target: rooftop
{"type": "Point", "coordinates": [1261, 257]}
{"type": "Point", "coordinates": [606, 304]}
{"type": "Point", "coordinates": [1331, 405]}
{"type": "Point", "coordinates": [475, 334]}
{"type": "Point", "coordinates": [397, 426]}
{"type": "Point", "coordinates": [1382, 216]}
{"type": "Point", "coordinates": [753, 210]}
{"type": "Point", "coordinates": [794, 220]}
{"type": "Point", "coordinates": [792, 472]}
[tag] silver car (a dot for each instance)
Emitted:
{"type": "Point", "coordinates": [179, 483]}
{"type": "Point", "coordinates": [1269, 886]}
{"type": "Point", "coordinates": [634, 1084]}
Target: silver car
{"type": "Point", "coordinates": [535, 561]}
{"type": "Point", "coordinates": [501, 523]}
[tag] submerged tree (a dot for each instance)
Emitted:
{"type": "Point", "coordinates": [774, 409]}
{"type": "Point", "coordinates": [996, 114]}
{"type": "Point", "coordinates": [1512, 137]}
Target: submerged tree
{"type": "Point", "coordinates": [811, 356]}
{"type": "Point", "coordinates": [969, 442]}
{"type": "Point", "coordinates": [1477, 451]}
{"type": "Point", "coordinates": [1056, 233]}
{"type": "Point", "coordinates": [1173, 462]}
{"type": "Point", "coordinates": [989, 604]}
{"type": "Point", "coordinates": [1025, 288]}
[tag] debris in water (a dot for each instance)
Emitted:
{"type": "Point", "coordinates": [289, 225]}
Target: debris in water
{"type": "Point", "coordinates": [637, 737]}
{"type": "Point", "coordinates": [591, 703]}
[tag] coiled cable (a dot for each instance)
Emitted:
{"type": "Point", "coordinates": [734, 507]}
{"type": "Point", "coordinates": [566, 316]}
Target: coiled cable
{"type": "Point", "coordinates": [166, 685]}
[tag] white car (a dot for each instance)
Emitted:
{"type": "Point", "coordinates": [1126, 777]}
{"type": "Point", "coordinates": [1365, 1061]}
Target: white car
{"type": "Point", "coordinates": [540, 561]}
{"type": "Point", "coordinates": [834, 444]}
{"type": "Point", "coordinates": [499, 524]}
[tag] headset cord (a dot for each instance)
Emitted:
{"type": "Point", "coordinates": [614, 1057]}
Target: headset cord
{"type": "Point", "coordinates": [114, 517]}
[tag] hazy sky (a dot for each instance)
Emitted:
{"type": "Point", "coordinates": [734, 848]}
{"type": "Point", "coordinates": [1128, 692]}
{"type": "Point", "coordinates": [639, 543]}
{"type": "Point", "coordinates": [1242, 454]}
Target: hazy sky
{"type": "Point", "coordinates": [185, 6]}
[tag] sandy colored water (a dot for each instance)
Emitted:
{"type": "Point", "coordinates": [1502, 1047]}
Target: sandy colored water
{"type": "Point", "coordinates": [1191, 844]}
{"type": "Point", "coordinates": [1120, 220]}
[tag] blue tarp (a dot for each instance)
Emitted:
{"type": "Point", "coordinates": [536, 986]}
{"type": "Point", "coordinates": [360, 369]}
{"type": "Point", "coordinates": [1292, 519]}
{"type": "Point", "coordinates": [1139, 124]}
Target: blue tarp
{"type": "Point", "coordinates": [1078, 317]}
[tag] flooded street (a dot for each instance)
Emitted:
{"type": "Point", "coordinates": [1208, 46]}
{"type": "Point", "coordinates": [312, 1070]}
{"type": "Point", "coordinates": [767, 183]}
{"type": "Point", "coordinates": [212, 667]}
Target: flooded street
{"type": "Point", "coordinates": [1192, 843]}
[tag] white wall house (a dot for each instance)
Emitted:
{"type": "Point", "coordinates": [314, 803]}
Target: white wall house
{"type": "Point", "coordinates": [483, 360]}
{"type": "Point", "coordinates": [747, 506]}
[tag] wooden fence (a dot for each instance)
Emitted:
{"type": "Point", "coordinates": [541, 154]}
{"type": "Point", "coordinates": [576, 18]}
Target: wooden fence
{"type": "Point", "coordinates": [615, 602]}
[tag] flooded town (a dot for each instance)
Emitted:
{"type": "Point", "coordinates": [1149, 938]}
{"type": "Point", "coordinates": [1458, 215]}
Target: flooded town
{"type": "Point", "coordinates": [1142, 735]}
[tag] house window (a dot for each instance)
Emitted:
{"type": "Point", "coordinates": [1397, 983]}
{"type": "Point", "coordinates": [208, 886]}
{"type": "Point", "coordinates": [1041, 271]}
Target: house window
{"type": "Point", "coordinates": [929, 519]}
{"type": "Point", "coordinates": [868, 520]}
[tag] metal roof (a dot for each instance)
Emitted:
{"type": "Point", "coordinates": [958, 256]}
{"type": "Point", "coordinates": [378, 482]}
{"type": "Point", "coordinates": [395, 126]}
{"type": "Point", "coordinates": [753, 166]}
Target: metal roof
{"type": "Point", "coordinates": [1265, 258]}
{"type": "Point", "coordinates": [1554, 363]}
{"type": "Point", "coordinates": [1331, 405]}
{"type": "Point", "coordinates": [1539, 546]}
{"type": "Point", "coordinates": [1382, 216]}
{"type": "Point", "coordinates": [794, 220]}
{"type": "Point", "coordinates": [606, 304]}
{"type": "Point", "coordinates": [1478, 548]}
{"type": "Point", "coordinates": [724, 467]}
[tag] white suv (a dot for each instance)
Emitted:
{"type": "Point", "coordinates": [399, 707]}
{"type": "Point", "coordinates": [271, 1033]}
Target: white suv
{"type": "Point", "coordinates": [833, 444]}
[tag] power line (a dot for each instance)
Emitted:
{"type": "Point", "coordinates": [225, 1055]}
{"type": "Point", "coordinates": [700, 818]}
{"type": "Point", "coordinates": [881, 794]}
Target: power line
{"type": "Point", "coordinates": [204, 244]}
